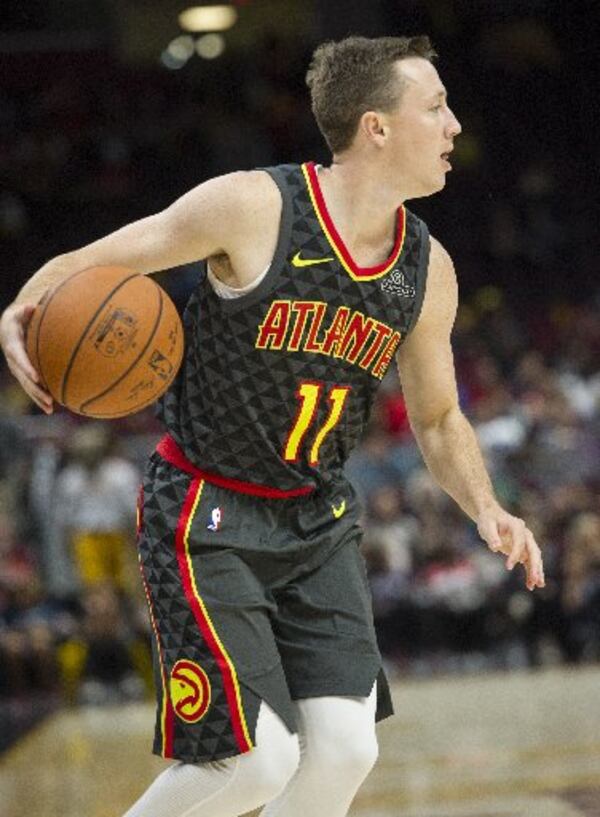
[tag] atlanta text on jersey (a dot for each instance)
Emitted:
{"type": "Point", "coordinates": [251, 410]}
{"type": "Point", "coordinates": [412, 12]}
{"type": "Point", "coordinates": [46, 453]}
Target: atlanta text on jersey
{"type": "Point", "coordinates": [302, 326]}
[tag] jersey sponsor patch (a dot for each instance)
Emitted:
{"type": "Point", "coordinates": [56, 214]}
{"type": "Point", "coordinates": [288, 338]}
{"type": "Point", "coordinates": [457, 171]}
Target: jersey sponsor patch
{"type": "Point", "coordinates": [396, 284]}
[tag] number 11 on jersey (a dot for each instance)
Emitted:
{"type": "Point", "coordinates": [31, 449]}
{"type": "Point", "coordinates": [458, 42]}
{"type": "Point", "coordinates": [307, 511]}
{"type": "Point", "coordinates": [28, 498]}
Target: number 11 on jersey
{"type": "Point", "coordinates": [309, 395]}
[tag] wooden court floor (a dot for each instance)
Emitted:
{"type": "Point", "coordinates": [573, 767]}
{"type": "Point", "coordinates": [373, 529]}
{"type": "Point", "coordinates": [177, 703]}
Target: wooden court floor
{"type": "Point", "coordinates": [524, 745]}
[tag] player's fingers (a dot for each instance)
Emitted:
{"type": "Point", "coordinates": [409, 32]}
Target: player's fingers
{"type": "Point", "coordinates": [13, 340]}
{"type": "Point", "coordinates": [518, 543]}
{"type": "Point", "coordinates": [20, 349]}
{"type": "Point", "coordinates": [14, 325]}
{"type": "Point", "coordinates": [534, 564]}
{"type": "Point", "coordinates": [488, 530]}
{"type": "Point", "coordinates": [22, 368]}
{"type": "Point", "coordinates": [36, 392]}
{"type": "Point", "coordinates": [18, 362]}
{"type": "Point", "coordinates": [40, 397]}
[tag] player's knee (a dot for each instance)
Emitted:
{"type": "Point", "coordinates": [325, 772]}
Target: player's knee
{"type": "Point", "coordinates": [355, 761]}
{"type": "Point", "coordinates": [352, 756]}
{"type": "Point", "coordinates": [274, 768]}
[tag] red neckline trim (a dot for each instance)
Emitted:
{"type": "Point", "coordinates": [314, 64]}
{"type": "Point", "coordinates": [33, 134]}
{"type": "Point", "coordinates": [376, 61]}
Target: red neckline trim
{"type": "Point", "coordinates": [336, 238]}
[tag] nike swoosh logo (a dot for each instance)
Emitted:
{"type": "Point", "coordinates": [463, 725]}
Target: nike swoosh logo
{"type": "Point", "coordinates": [297, 261]}
{"type": "Point", "coordinates": [339, 511]}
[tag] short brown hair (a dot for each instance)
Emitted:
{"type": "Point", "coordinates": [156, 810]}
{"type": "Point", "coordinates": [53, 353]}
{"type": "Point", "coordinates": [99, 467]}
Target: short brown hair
{"type": "Point", "coordinates": [352, 76]}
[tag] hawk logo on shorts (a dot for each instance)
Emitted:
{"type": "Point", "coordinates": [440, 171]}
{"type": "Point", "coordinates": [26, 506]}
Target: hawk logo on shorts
{"type": "Point", "coordinates": [189, 690]}
{"type": "Point", "coordinates": [215, 519]}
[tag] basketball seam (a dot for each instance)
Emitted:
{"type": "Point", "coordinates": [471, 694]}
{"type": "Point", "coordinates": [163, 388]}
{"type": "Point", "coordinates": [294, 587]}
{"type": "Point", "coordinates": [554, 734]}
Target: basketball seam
{"type": "Point", "coordinates": [132, 409]}
{"type": "Point", "coordinates": [136, 361]}
{"type": "Point", "coordinates": [39, 329]}
{"type": "Point", "coordinates": [63, 388]}
{"type": "Point", "coordinates": [114, 415]}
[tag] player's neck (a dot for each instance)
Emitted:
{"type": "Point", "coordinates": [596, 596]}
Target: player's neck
{"type": "Point", "coordinates": [361, 204]}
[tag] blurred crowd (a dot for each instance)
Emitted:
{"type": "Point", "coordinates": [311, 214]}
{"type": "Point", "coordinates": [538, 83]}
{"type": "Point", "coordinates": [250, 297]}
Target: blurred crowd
{"type": "Point", "coordinates": [73, 618]}
{"type": "Point", "coordinates": [534, 401]}
{"type": "Point", "coordinates": [102, 144]}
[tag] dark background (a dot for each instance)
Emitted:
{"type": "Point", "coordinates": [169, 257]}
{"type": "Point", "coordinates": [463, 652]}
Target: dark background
{"type": "Point", "coordinates": [95, 131]}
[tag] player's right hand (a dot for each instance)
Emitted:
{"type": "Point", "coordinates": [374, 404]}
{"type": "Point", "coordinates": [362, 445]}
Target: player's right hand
{"type": "Point", "coordinates": [13, 324]}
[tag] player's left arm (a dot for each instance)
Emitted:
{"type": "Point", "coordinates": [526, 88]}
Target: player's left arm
{"type": "Point", "coordinates": [445, 437]}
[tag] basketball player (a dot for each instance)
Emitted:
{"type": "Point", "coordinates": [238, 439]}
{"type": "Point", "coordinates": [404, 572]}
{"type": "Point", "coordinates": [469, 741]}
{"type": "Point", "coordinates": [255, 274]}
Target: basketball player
{"type": "Point", "coordinates": [268, 675]}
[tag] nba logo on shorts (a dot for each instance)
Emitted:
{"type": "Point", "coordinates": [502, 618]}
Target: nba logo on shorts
{"type": "Point", "coordinates": [215, 519]}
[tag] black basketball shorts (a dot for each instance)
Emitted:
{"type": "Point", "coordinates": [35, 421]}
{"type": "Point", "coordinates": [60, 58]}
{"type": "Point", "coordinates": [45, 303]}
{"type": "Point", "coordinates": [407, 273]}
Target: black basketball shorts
{"type": "Point", "coordinates": [250, 599]}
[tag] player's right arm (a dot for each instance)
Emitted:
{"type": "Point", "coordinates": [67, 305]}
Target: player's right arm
{"type": "Point", "coordinates": [216, 217]}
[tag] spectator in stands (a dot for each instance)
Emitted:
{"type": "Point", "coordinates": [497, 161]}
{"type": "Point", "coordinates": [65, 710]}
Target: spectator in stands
{"type": "Point", "coordinates": [581, 588]}
{"type": "Point", "coordinates": [95, 509]}
{"type": "Point", "coordinates": [27, 620]}
{"type": "Point", "coordinates": [105, 661]}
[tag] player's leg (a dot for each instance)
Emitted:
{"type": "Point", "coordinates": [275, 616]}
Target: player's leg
{"type": "Point", "coordinates": [225, 788]}
{"type": "Point", "coordinates": [216, 661]}
{"type": "Point", "coordinates": [326, 638]}
{"type": "Point", "coordinates": [338, 748]}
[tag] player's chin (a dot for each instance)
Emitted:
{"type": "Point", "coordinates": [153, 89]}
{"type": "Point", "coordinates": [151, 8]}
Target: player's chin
{"type": "Point", "coordinates": [440, 180]}
{"type": "Point", "coordinates": [433, 185]}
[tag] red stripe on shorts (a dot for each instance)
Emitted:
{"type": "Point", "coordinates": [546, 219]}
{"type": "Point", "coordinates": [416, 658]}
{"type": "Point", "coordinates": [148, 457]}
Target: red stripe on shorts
{"type": "Point", "coordinates": [203, 621]}
{"type": "Point", "coordinates": [167, 715]}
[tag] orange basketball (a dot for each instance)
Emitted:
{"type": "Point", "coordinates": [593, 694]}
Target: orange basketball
{"type": "Point", "coordinates": [107, 342]}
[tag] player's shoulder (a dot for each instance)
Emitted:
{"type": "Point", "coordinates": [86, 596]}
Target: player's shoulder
{"type": "Point", "coordinates": [439, 304]}
{"type": "Point", "coordinates": [440, 261]}
{"type": "Point", "coordinates": [441, 291]}
{"type": "Point", "coordinates": [243, 197]}
{"type": "Point", "coordinates": [244, 186]}
{"type": "Point", "coordinates": [237, 197]}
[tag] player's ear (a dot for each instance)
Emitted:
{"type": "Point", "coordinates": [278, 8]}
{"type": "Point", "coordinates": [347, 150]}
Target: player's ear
{"type": "Point", "coordinates": [373, 127]}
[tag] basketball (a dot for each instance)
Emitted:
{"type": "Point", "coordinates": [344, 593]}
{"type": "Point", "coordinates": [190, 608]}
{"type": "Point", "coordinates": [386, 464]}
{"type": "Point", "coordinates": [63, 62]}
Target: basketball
{"type": "Point", "coordinates": [107, 342]}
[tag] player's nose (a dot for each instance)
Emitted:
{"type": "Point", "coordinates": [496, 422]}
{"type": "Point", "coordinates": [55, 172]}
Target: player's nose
{"type": "Point", "coordinates": [453, 126]}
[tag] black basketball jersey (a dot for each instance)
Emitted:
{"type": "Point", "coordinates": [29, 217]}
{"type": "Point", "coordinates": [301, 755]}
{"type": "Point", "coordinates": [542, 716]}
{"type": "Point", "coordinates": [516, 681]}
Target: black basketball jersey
{"type": "Point", "coordinates": [277, 385]}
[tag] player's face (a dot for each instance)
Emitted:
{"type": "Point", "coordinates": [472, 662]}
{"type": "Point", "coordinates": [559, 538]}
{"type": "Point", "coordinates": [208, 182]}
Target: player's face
{"type": "Point", "coordinates": [422, 130]}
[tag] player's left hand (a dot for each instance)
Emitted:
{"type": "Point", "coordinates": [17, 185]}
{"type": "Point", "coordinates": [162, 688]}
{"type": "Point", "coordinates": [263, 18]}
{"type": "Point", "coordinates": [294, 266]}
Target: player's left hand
{"type": "Point", "coordinates": [509, 535]}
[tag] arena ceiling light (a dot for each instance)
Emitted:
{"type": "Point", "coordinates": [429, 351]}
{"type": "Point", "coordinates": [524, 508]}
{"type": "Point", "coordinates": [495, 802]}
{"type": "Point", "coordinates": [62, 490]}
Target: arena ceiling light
{"type": "Point", "coordinates": [210, 46]}
{"type": "Point", "coordinates": [208, 18]}
{"type": "Point", "coordinates": [181, 48]}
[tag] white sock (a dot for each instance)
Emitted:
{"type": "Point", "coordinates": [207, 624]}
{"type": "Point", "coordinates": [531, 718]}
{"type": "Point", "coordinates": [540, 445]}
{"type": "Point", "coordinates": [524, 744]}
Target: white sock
{"type": "Point", "coordinates": [225, 788]}
{"type": "Point", "coordinates": [338, 748]}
